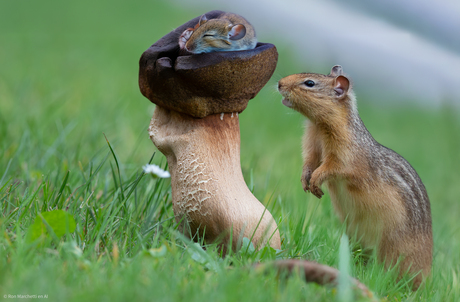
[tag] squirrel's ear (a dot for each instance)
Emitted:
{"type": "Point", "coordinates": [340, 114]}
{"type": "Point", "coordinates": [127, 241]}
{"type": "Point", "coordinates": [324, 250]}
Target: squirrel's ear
{"type": "Point", "coordinates": [203, 20]}
{"type": "Point", "coordinates": [237, 32]}
{"type": "Point", "coordinates": [341, 86]}
{"type": "Point", "coordinates": [336, 71]}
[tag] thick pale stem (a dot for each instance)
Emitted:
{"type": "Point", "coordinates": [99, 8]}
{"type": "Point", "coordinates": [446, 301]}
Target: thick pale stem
{"type": "Point", "coordinates": [208, 190]}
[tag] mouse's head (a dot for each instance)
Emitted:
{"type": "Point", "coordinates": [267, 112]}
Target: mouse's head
{"type": "Point", "coordinates": [317, 96]}
{"type": "Point", "coordinates": [214, 35]}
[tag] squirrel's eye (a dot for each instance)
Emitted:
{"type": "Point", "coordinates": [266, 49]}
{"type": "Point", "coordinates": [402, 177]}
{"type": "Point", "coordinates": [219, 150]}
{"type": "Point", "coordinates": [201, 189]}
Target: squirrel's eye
{"type": "Point", "coordinates": [309, 83]}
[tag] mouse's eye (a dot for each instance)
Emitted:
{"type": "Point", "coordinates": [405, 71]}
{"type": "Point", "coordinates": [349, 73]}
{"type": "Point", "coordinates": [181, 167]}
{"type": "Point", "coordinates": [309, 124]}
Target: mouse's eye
{"type": "Point", "coordinates": [309, 83]}
{"type": "Point", "coordinates": [208, 35]}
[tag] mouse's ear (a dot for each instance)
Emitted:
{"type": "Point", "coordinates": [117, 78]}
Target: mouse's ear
{"type": "Point", "coordinates": [237, 32]}
{"type": "Point", "coordinates": [203, 20]}
{"type": "Point", "coordinates": [336, 71]}
{"type": "Point", "coordinates": [341, 85]}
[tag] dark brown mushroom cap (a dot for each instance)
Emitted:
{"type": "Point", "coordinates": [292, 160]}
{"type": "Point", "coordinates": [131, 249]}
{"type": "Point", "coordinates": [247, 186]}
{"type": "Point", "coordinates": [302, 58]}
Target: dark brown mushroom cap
{"type": "Point", "coordinates": [204, 84]}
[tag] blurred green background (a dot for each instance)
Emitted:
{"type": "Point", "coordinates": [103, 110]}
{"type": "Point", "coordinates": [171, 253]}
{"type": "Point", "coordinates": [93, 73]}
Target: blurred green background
{"type": "Point", "coordinates": [68, 75]}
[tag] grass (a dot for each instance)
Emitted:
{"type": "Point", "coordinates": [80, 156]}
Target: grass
{"type": "Point", "coordinates": [69, 76]}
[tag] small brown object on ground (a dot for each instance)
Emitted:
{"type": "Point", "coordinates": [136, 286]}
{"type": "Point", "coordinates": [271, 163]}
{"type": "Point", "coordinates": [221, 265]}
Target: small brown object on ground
{"type": "Point", "coordinates": [314, 272]}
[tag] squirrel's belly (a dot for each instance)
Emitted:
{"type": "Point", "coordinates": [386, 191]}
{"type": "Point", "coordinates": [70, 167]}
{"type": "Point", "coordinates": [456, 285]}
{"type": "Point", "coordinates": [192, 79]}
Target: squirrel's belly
{"type": "Point", "coordinates": [366, 213]}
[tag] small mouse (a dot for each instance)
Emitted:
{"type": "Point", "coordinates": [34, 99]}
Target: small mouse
{"type": "Point", "coordinates": [228, 32]}
{"type": "Point", "coordinates": [372, 188]}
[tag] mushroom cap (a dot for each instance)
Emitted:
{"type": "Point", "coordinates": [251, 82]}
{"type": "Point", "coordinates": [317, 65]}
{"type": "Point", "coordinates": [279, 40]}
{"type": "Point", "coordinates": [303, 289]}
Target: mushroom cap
{"type": "Point", "coordinates": [203, 84]}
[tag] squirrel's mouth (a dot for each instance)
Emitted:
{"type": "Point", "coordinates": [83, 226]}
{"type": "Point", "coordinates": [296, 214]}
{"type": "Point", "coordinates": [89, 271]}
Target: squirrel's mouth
{"type": "Point", "coordinates": [286, 102]}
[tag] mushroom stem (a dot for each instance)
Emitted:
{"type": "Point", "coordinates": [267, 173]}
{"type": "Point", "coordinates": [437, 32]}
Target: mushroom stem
{"type": "Point", "coordinates": [209, 195]}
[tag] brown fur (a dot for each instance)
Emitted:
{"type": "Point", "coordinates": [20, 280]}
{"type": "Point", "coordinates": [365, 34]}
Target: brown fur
{"type": "Point", "coordinates": [213, 35]}
{"type": "Point", "coordinates": [372, 188]}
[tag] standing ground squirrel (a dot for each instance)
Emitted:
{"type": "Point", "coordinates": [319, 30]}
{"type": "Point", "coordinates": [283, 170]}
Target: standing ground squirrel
{"type": "Point", "coordinates": [374, 189]}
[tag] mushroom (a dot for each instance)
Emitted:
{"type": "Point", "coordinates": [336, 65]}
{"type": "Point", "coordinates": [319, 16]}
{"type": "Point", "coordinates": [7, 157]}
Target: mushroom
{"type": "Point", "coordinates": [196, 126]}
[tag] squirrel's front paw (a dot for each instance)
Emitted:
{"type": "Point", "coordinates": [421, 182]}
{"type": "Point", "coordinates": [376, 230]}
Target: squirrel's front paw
{"type": "Point", "coordinates": [306, 176]}
{"type": "Point", "coordinates": [315, 190]}
{"type": "Point", "coordinates": [184, 37]}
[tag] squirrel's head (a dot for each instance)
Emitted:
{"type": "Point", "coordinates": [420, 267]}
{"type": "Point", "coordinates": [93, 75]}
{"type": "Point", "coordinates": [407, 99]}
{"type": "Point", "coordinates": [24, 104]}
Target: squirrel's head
{"type": "Point", "coordinates": [214, 35]}
{"type": "Point", "coordinates": [318, 96]}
